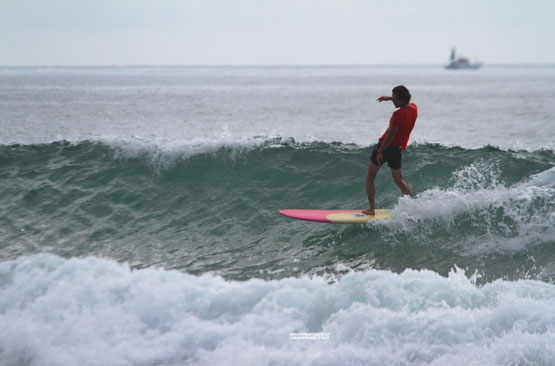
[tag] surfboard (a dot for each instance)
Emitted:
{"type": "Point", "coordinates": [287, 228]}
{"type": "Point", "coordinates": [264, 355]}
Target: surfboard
{"type": "Point", "coordinates": [336, 216]}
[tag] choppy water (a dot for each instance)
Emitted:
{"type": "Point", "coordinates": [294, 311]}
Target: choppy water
{"type": "Point", "coordinates": [139, 221]}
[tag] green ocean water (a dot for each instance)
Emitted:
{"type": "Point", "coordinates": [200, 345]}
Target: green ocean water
{"type": "Point", "coordinates": [486, 210]}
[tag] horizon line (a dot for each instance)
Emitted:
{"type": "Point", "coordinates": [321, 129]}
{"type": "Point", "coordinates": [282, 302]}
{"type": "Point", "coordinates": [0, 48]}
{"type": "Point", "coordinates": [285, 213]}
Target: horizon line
{"type": "Point", "coordinates": [274, 65]}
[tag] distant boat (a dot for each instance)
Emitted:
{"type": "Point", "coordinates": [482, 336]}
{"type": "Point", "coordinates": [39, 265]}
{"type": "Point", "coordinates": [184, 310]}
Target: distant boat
{"type": "Point", "coordinates": [461, 62]}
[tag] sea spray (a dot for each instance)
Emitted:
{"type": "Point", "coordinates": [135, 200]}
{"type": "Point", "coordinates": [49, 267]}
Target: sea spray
{"type": "Point", "coordinates": [94, 311]}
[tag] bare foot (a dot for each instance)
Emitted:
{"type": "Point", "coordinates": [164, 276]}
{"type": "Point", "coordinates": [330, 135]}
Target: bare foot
{"type": "Point", "coordinates": [369, 212]}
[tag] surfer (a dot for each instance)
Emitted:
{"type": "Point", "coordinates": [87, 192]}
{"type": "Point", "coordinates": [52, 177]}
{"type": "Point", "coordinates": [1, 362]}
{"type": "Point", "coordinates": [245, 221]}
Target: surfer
{"type": "Point", "coordinates": [390, 145]}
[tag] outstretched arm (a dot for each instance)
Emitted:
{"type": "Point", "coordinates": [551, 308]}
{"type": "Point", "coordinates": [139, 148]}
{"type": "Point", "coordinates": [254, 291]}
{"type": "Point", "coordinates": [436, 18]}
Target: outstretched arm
{"type": "Point", "coordinates": [383, 98]}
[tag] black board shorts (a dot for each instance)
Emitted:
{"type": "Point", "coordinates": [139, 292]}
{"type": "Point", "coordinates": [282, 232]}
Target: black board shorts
{"type": "Point", "coordinates": [392, 155]}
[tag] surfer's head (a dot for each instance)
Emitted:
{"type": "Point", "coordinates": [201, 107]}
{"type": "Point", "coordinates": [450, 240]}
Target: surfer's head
{"type": "Point", "coordinates": [400, 95]}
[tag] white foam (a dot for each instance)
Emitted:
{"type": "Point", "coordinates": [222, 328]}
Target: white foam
{"type": "Point", "coordinates": [92, 311]}
{"type": "Point", "coordinates": [514, 217]}
{"type": "Point", "coordinates": [164, 152]}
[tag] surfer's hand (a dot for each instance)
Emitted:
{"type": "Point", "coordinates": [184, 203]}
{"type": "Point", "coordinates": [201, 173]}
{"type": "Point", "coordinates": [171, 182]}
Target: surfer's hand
{"type": "Point", "coordinates": [379, 156]}
{"type": "Point", "coordinates": [383, 98]}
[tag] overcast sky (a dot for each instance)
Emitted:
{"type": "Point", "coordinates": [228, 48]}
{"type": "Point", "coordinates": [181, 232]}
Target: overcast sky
{"type": "Point", "coordinates": [270, 32]}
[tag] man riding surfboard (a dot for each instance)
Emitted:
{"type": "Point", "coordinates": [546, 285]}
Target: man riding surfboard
{"type": "Point", "coordinates": [392, 143]}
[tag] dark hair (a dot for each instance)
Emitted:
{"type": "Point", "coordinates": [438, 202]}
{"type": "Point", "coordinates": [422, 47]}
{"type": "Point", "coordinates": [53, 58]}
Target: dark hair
{"type": "Point", "coordinates": [402, 93]}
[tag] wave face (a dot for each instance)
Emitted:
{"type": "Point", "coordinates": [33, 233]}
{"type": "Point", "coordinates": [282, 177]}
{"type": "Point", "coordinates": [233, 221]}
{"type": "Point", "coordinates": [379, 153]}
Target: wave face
{"type": "Point", "coordinates": [95, 312]}
{"type": "Point", "coordinates": [215, 209]}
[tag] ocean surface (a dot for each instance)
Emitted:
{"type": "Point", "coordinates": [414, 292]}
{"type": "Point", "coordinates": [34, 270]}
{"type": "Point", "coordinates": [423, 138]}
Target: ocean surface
{"type": "Point", "coordinates": [140, 225]}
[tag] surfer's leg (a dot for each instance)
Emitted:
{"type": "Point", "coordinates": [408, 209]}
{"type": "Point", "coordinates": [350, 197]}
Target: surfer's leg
{"type": "Point", "coordinates": [398, 179]}
{"type": "Point", "coordinates": [370, 188]}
